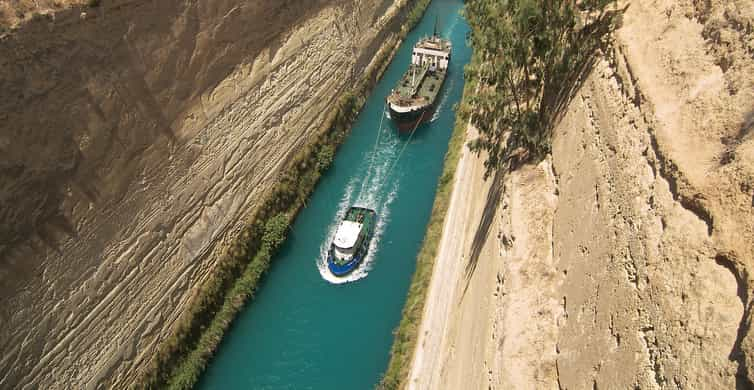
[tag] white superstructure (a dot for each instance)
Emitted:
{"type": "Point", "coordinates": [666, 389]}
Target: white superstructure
{"type": "Point", "coordinates": [413, 99]}
{"type": "Point", "coordinates": [433, 52]}
{"type": "Point", "coordinates": [347, 234]}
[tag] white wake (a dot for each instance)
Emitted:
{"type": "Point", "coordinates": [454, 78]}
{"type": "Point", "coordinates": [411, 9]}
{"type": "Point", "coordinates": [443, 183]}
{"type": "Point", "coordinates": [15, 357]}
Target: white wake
{"type": "Point", "coordinates": [376, 192]}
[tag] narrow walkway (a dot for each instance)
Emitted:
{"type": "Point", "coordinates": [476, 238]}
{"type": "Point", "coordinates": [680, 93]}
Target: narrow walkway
{"type": "Point", "coordinates": [443, 324]}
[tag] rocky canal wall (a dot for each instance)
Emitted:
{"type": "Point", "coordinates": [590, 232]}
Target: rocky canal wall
{"type": "Point", "coordinates": [136, 137]}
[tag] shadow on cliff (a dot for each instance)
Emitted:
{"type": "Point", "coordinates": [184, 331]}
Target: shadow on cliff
{"type": "Point", "coordinates": [483, 229]}
{"type": "Point", "coordinates": [742, 344]}
{"type": "Point", "coordinates": [598, 40]}
{"type": "Point", "coordinates": [597, 44]}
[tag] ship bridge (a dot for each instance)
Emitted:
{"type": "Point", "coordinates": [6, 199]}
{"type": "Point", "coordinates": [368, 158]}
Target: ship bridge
{"type": "Point", "coordinates": [433, 52]}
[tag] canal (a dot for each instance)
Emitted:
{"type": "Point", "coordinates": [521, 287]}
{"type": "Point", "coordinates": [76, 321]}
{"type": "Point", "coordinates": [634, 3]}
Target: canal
{"type": "Point", "coordinates": [308, 330]}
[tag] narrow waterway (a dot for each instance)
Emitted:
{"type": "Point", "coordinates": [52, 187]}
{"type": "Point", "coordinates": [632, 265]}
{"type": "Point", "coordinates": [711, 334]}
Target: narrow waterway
{"type": "Point", "coordinates": [308, 330]}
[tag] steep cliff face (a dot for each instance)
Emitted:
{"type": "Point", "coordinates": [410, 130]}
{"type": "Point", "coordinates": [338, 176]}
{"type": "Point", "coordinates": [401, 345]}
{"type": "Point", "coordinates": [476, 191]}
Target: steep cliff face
{"type": "Point", "coordinates": [659, 280]}
{"type": "Point", "coordinates": [135, 137]}
{"type": "Point", "coordinates": [625, 259]}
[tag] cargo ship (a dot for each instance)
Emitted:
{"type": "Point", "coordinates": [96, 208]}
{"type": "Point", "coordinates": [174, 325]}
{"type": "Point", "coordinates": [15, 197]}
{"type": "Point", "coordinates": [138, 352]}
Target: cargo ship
{"type": "Point", "coordinates": [414, 99]}
{"type": "Point", "coordinates": [351, 243]}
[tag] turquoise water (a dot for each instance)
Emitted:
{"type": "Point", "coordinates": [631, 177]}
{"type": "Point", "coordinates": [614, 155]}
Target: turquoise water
{"type": "Point", "coordinates": [308, 330]}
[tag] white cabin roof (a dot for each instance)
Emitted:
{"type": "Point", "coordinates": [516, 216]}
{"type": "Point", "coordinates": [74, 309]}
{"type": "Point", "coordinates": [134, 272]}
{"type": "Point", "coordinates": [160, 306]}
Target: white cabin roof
{"type": "Point", "coordinates": [347, 234]}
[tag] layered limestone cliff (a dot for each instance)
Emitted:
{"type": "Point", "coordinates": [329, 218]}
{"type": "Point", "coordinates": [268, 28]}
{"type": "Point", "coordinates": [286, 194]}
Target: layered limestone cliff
{"type": "Point", "coordinates": [135, 137]}
{"type": "Point", "coordinates": [626, 258]}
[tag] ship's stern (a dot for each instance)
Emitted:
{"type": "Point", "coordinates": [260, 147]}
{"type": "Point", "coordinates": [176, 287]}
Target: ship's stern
{"type": "Point", "coordinates": [408, 120]}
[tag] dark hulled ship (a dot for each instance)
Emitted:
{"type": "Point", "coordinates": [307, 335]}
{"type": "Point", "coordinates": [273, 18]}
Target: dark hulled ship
{"type": "Point", "coordinates": [414, 99]}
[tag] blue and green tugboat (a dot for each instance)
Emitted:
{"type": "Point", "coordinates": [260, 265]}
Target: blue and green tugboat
{"type": "Point", "coordinates": [351, 243]}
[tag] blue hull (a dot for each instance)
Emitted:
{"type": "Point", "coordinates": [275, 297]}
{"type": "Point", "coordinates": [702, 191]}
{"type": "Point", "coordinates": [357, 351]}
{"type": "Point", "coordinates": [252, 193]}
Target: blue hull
{"type": "Point", "coordinates": [345, 269]}
{"type": "Point", "coordinates": [361, 252]}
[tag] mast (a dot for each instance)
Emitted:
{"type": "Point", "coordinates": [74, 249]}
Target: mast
{"type": "Point", "coordinates": [434, 32]}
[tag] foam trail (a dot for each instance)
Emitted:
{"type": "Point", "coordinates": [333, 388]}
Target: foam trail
{"type": "Point", "coordinates": [378, 164]}
{"type": "Point", "coordinates": [366, 265]}
{"type": "Point", "coordinates": [449, 30]}
{"type": "Point", "coordinates": [343, 205]}
{"type": "Point", "coordinates": [375, 180]}
{"type": "Point", "coordinates": [372, 195]}
{"type": "Point", "coordinates": [443, 100]}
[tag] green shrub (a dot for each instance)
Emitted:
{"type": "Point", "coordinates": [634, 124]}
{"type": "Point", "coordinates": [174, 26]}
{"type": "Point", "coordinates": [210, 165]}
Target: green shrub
{"type": "Point", "coordinates": [528, 57]}
{"type": "Point", "coordinates": [274, 232]}
{"type": "Point", "coordinates": [325, 157]}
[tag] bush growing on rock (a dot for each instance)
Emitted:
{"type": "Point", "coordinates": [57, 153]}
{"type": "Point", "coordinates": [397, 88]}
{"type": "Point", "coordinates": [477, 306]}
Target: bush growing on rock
{"type": "Point", "coordinates": [274, 231]}
{"type": "Point", "coordinates": [325, 156]}
{"type": "Point", "coordinates": [529, 56]}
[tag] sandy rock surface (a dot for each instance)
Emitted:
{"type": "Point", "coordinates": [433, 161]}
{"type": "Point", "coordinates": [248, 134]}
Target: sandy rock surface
{"type": "Point", "coordinates": [135, 140]}
{"type": "Point", "coordinates": [15, 12]}
{"type": "Point", "coordinates": [625, 259]}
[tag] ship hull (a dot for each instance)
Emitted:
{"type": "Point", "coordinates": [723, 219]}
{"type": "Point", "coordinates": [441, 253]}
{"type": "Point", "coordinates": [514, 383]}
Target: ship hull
{"type": "Point", "coordinates": [407, 121]}
{"type": "Point", "coordinates": [343, 269]}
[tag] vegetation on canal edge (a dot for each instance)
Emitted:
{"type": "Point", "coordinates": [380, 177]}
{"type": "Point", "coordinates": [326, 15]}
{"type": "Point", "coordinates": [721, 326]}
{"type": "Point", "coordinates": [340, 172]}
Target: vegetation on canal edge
{"type": "Point", "coordinates": [405, 336]}
{"type": "Point", "coordinates": [528, 58]}
{"type": "Point", "coordinates": [414, 16]}
{"type": "Point", "coordinates": [531, 55]}
{"type": "Point", "coordinates": [182, 356]}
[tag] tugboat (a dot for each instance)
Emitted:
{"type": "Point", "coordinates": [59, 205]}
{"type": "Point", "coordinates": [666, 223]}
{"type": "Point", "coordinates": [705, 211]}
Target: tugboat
{"type": "Point", "coordinates": [351, 242]}
{"type": "Point", "coordinates": [413, 100]}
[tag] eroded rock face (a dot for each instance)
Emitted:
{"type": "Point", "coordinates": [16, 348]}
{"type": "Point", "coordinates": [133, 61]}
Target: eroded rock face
{"type": "Point", "coordinates": [135, 137]}
{"type": "Point", "coordinates": [650, 252]}
{"type": "Point", "coordinates": [624, 259]}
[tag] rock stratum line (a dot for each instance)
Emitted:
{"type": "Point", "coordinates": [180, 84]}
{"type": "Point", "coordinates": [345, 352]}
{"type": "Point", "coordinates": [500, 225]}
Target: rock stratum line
{"type": "Point", "coordinates": [137, 137]}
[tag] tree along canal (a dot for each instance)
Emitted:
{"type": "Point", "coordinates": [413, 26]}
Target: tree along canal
{"type": "Point", "coordinates": [306, 329]}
